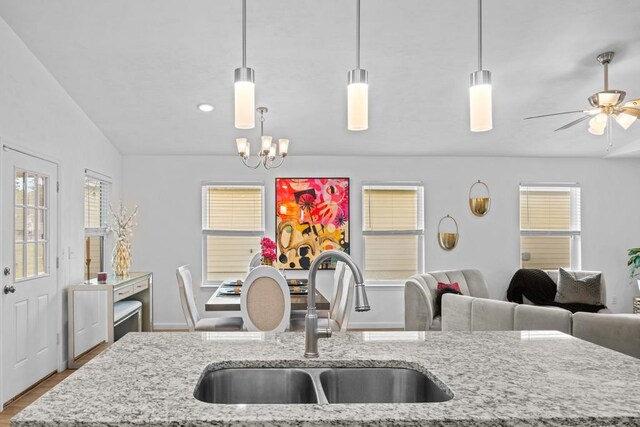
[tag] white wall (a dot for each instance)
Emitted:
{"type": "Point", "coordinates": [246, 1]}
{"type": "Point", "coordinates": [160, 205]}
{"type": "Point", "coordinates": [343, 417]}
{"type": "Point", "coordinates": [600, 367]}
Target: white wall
{"type": "Point", "coordinates": [37, 115]}
{"type": "Point", "coordinates": [167, 191]}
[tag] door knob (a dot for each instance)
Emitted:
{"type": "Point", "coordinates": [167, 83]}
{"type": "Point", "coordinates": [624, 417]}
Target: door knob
{"type": "Point", "coordinates": [7, 271]}
{"type": "Point", "coordinates": [9, 289]}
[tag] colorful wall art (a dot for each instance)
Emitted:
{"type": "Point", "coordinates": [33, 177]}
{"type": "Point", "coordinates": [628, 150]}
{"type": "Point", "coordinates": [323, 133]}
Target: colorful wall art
{"type": "Point", "coordinates": [312, 216]}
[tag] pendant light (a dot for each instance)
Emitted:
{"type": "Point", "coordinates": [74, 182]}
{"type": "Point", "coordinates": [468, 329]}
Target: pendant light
{"type": "Point", "coordinates": [358, 88]}
{"type": "Point", "coordinates": [244, 86]}
{"type": "Point", "coordinates": [480, 91]}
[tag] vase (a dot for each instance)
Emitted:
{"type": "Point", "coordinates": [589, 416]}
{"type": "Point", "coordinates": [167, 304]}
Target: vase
{"type": "Point", "coordinates": [121, 261]}
{"type": "Point", "coordinates": [267, 261]}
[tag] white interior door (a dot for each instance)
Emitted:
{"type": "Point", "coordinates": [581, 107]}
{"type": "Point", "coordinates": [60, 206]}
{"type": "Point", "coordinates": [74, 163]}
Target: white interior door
{"type": "Point", "coordinates": [29, 272]}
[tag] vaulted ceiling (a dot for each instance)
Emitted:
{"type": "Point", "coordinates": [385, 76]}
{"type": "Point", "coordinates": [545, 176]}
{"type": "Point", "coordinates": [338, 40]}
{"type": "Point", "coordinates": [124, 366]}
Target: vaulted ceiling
{"type": "Point", "coordinates": [139, 68]}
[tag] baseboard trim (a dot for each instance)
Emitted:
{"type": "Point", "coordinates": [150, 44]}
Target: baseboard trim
{"type": "Point", "coordinates": [376, 325]}
{"type": "Point", "coordinates": [352, 325]}
{"type": "Point", "coordinates": [168, 325]}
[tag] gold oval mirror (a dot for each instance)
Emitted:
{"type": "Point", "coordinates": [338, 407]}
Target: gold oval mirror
{"type": "Point", "coordinates": [479, 203]}
{"type": "Point", "coordinates": [448, 240]}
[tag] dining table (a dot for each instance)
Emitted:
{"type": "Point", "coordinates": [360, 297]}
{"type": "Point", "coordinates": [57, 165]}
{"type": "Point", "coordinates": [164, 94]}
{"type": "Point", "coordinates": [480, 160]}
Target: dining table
{"type": "Point", "coordinates": [227, 297]}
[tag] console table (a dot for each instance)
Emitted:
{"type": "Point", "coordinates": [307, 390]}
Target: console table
{"type": "Point", "coordinates": [135, 286]}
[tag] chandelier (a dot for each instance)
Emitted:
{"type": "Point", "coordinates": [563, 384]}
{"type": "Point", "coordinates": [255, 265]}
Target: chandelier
{"type": "Point", "coordinates": [268, 151]}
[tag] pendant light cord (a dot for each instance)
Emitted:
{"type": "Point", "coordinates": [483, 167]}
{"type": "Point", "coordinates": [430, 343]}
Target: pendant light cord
{"type": "Point", "coordinates": [357, 34]}
{"type": "Point", "coordinates": [244, 33]}
{"type": "Point", "coordinates": [479, 35]}
{"type": "Point", "coordinates": [606, 76]}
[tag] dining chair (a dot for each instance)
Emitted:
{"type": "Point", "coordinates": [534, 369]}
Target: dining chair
{"type": "Point", "coordinates": [265, 301]}
{"type": "Point", "coordinates": [335, 296]}
{"type": "Point", "coordinates": [256, 260]}
{"type": "Point", "coordinates": [190, 310]}
{"type": "Point", "coordinates": [339, 319]}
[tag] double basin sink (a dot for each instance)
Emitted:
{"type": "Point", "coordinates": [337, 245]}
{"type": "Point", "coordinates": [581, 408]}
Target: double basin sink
{"type": "Point", "coordinates": [318, 386]}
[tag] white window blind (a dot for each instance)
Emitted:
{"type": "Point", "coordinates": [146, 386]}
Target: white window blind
{"type": "Point", "coordinates": [232, 225]}
{"type": "Point", "coordinates": [550, 226]}
{"type": "Point", "coordinates": [393, 230]}
{"type": "Point", "coordinates": [97, 194]}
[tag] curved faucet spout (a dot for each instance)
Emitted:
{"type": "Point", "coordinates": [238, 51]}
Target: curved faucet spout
{"type": "Point", "coordinates": [311, 330]}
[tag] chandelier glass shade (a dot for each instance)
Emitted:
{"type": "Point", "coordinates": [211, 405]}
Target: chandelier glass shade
{"type": "Point", "coordinates": [270, 155]}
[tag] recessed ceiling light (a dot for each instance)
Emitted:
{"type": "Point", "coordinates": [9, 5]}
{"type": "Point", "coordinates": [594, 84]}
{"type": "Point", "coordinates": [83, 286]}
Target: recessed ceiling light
{"type": "Point", "coordinates": [207, 108]}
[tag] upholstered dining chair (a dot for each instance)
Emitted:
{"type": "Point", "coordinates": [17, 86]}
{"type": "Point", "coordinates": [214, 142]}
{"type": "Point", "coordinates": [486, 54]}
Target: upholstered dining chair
{"type": "Point", "coordinates": [338, 318]}
{"type": "Point", "coordinates": [335, 296]}
{"type": "Point", "coordinates": [194, 321]}
{"type": "Point", "coordinates": [256, 260]}
{"type": "Point", "coordinates": [265, 301]}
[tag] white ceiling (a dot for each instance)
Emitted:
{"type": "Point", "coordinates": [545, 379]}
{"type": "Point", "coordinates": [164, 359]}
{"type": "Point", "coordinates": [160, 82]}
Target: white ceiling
{"type": "Point", "coordinates": [139, 68]}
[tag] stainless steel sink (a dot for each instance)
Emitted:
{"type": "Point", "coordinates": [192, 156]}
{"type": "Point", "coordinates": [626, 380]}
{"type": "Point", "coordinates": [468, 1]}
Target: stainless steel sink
{"type": "Point", "coordinates": [233, 386]}
{"type": "Point", "coordinates": [380, 385]}
{"type": "Point", "coordinates": [319, 386]}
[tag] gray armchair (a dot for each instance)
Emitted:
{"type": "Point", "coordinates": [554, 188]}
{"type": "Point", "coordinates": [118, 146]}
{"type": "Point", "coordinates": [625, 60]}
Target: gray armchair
{"type": "Point", "coordinates": [420, 296]}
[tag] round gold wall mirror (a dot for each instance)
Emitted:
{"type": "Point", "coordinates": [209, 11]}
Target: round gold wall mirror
{"type": "Point", "coordinates": [448, 239]}
{"type": "Point", "coordinates": [479, 198]}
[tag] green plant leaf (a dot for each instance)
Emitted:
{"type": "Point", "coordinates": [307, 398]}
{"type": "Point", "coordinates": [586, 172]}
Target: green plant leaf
{"type": "Point", "coordinates": [634, 251]}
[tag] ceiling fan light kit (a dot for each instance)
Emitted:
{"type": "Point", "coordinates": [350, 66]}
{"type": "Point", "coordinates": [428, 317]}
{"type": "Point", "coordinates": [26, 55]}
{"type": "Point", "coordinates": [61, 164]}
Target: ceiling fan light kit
{"type": "Point", "coordinates": [480, 97]}
{"type": "Point", "coordinates": [607, 106]}
{"type": "Point", "coordinates": [244, 86]}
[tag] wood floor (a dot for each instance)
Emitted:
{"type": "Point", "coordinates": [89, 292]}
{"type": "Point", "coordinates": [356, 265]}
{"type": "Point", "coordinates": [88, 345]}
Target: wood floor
{"type": "Point", "coordinates": [34, 393]}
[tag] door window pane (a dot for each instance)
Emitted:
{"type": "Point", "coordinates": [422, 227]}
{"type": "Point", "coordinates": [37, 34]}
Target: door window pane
{"type": "Point", "coordinates": [41, 247]}
{"type": "Point", "coordinates": [41, 224]}
{"type": "Point", "coordinates": [31, 189]}
{"type": "Point", "coordinates": [41, 190]}
{"type": "Point", "coordinates": [31, 224]}
{"type": "Point", "coordinates": [19, 188]}
{"type": "Point", "coordinates": [19, 224]}
{"type": "Point", "coordinates": [19, 267]}
{"type": "Point", "coordinates": [30, 249]}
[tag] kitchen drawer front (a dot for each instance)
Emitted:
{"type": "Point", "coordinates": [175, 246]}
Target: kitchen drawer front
{"type": "Point", "coordinates": [123, 292]}
{"type": "Point", "coordinates": [140, 286]}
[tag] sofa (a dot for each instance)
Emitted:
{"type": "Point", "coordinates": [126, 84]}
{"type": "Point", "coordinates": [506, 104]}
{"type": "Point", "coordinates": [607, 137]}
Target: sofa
{"type": "Point", "coordinates": [420, 296]}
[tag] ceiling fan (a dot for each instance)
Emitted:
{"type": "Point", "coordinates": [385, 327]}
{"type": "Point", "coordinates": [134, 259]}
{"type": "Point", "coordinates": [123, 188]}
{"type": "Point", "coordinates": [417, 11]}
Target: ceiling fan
{"type": "Point", "coordinates": [607, 105]}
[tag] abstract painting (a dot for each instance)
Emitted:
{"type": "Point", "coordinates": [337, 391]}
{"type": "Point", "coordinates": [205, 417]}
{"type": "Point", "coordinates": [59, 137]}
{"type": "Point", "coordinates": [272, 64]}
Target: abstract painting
{"type": "Point", "coordinates": [312, 216]}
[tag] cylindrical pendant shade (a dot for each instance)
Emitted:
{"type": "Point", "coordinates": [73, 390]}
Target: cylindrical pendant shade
{"type": "Point", "coordinates": [358, 106]}
{"type": "Point", "coordinates": [480, 105]}
{"type": "Point", "coordinates": [244, 98]}
{"type": "Point", "coordinates": [358, 100]}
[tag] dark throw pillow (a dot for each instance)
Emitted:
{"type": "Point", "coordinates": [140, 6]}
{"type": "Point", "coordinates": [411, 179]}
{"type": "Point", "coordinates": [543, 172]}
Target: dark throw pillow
{"type": "Point", "coordinates": [573, 290]}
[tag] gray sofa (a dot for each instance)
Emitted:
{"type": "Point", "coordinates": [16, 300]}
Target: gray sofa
{"type": "Point", "coordinates": [620, 332]}
{"type": "Point", "coordinates": [420, 296]}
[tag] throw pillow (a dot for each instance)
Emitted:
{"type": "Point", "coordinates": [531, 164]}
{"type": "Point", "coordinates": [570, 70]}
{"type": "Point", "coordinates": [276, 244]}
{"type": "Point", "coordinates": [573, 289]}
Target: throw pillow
{"type": "Point", "coordinates": [445, 288]}
{"type": "Point", "coordinates": [573, 290]}
{"type": "Point", "coordinates": [453, 286]}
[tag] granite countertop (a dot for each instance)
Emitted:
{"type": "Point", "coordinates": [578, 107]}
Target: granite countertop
{"type": "Point", "coordinates": [497, 378]}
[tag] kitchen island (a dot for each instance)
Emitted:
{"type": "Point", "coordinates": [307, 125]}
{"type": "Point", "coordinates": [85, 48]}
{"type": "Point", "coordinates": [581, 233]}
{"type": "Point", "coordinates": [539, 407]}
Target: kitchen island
{"type": "Point", "coordinates": [497, 379]}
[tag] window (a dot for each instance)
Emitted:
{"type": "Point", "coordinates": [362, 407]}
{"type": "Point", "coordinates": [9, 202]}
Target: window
{"type": "Point", "coordinates": [232, 225]}
{"type": "Point", "coordinates": [31, 224]}
{"type": "Point", "coordinates": [393, 231]}
{"type": "Point", "coordinates": [97, 193]}
{"type": "Point", "coordinates": [550, 226]}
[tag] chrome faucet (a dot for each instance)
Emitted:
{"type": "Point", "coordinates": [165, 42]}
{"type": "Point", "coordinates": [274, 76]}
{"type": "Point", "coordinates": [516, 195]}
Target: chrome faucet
{"type": "Point", "coordinates": [311, 331]}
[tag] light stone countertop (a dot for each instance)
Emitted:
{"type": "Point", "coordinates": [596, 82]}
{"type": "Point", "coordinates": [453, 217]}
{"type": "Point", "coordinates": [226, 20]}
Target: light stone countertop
{"type": "Point", "coordinates": [497, 378]}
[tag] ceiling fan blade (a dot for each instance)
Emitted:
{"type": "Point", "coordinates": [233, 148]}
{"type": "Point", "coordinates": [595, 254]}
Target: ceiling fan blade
{"type": "Point", "coordinates": [554, 114]}
{"type": "Point", "coordinates": [573, 123]}
{"type": "Point", "coordinates": [634, 103]}
{"type": "Point", "coordinates": [631, 111]}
